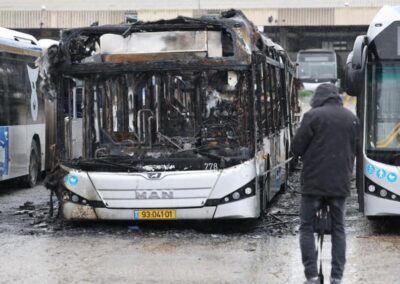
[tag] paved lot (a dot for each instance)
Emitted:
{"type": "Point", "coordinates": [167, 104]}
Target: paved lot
{"type": "Point", "coordinates": [34, 250]}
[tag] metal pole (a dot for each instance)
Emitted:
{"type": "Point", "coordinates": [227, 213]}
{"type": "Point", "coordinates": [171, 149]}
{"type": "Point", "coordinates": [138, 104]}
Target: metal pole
{"type": "Point", "coordinates": [198, 6]}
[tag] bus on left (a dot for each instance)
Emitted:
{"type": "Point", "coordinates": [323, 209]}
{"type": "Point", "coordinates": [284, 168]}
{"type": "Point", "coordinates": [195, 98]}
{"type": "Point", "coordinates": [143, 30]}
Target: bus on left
{"type": "Point", "coordinates": [22, 109]}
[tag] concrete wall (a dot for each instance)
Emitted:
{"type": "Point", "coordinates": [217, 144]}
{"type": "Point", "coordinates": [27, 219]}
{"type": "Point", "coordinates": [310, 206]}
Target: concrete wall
{"type": "Point", "coordinates": [121, 5]}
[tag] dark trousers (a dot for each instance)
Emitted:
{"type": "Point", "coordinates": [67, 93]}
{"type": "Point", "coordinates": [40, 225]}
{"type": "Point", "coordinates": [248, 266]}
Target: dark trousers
{"type": "Point", "coordinates": [308, 207]}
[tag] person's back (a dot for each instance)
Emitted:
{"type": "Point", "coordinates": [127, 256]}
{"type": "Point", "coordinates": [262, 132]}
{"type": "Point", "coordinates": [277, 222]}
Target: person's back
{"type": "Point", "coordinates": [327, 142]}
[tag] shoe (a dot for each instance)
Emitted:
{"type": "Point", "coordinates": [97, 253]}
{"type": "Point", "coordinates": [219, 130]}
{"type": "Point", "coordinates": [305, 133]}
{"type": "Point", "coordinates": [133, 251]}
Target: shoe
{"type": "Point", "coordinates": [336, 281]}
{"type": "Point", "coordinates": [314, 280]}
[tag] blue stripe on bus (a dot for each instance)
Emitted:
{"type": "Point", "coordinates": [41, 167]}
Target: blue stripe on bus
{"type": "Point", "coordinates": [4, 151]}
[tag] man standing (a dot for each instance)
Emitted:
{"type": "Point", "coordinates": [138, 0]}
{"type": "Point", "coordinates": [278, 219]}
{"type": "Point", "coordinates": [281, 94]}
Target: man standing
{"type": "Point", "coordinates": [327, 141]}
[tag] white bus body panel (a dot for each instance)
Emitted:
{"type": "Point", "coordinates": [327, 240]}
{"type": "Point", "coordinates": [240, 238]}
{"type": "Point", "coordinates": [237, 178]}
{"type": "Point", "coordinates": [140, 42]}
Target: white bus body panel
{"type": "Point", "coordinates": [18, 160]}
{"type": "Point", "coordinates": [20, 139]}
{"type": "Point", "coordinates": [122, 190]}
{"type": "Point", "coordinates": [313, 86]}
{"type": "Point", "coordinates": [189, 189]}
{"type": "Point", "coordinates": [121, 193]}
{"type": "Point", "coordinates": [15, 35]}
{"type": "Point", "coordinates": [380, 206]}
{"type": "Point", "coordinates": [383, 19]}
{"type": "Point", "coordinates": [245, 208]}
{"type": "Point", "coordinates": [375, 206]}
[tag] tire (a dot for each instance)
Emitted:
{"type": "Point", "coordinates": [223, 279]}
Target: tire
{"type": "Point", "coordinates": [34, 166]}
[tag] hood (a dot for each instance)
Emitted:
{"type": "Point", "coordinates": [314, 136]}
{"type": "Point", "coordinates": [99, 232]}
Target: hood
{"type": "Point", "coordinates": [325, 93]}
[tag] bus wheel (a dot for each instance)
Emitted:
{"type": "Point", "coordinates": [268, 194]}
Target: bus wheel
{"type": "Point", "coordinates": [34, 166]}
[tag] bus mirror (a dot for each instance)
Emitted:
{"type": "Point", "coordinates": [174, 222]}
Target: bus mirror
{"type": "Point", "coordinates": [354, 78]}
{"type": "Point", "coordinates": [358, 56]}
{"type": "Point", "coordinates": [355, 67]}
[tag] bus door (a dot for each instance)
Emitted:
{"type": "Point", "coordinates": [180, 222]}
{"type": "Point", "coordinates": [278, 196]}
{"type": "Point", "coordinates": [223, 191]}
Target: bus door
{"type": "Point", "coordinates": [15, 110]}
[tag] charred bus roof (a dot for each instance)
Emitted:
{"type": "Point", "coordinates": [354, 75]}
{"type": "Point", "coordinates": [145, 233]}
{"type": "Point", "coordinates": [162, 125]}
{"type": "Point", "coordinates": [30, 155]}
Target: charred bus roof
{"type": "Point", "coordinates": [225, 42]}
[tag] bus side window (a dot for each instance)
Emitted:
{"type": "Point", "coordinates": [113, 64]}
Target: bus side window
{"type": "Point", "coordinates": [267, 99]}
{"type": "Point", "coordinates": [17, 93]}
{"type": "Point", "coordinates": [273, 97]}
{"type": "Point", "coordinates": [260, 100]}
{"type": "Point", "coordinates": [271, 88]}
{"type": "Point", "coordinates": [278, 99]}
{"type": "Point", "coordinates": [4, 110]}
{"type": "Point", "coordinates": [284, 98]}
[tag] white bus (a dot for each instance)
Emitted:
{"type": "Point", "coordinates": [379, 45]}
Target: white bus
{"type": "Point", "coordinates": [317, 66]}
{"type": "Point", "coordinates": [22, 116]}
{"type": "Point", "coordinates": [181, 119]}
{"type": "Point", "coordinates": [373, 75]}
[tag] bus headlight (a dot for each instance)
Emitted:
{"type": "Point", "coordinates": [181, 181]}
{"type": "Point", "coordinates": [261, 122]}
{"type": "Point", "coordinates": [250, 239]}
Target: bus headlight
{"type": "Point", "coordinates": [245, 191]}
{"type": "Point", "coordinates": [371, 188]}
{"type": "Point", "coordinates": [248, 190]}
{"type": "Point", "coordinates": [236, 195]}
{"type": "Point", "coordinates": [75, 198]}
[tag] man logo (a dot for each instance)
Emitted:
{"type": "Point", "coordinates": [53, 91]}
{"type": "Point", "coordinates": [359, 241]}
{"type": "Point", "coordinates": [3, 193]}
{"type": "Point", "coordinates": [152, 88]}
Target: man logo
{"type": "Point", "coordinates": [154, 175]}
{"type": "Point", "coordinates": [163, 194]}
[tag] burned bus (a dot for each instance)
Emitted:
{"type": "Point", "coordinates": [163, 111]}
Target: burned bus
{"type": "Point", "coordinates": [180, 119]}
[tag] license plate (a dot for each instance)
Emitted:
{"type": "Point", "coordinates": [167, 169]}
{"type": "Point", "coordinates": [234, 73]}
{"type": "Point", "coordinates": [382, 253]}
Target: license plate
{"type": "Point", "coordinates": [169, 214]}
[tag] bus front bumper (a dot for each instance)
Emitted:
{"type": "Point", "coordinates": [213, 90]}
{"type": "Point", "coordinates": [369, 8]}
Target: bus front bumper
{"type": "Point", "coordinates": [376, 206]}
{"type": "Point", "coordinates": [242, 209]}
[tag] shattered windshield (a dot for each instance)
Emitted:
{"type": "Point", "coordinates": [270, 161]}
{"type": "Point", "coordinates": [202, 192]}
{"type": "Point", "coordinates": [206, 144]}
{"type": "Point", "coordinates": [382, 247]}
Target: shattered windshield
{"type": "Point", "coordinates": [166, 121]}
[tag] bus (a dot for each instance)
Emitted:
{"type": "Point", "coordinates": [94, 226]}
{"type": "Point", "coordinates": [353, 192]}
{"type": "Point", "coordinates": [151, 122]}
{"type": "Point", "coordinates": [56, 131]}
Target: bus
{"type": "Point", "coordinates": [317, 66]}
{"type": "Point", "coordinates": [22, 115]}
{"type": "Point", "coordinates": [180, 119]}
{"type": "Point", "coordinates": [373, 76]}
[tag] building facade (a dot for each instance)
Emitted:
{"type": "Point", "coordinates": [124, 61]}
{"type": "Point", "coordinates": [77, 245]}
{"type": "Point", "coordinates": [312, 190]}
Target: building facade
{"type": "Point", "coordinates": [50, 14]}
{"type": "Point", "coordinates": [295, 24]}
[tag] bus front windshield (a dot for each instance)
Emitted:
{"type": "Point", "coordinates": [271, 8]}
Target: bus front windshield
{"type": "Point", "coordinates": [383, 114]}
{"type": "Point", "coordinates": [155, 118]}
{"type": "Point", "coordinates": [318, 66]}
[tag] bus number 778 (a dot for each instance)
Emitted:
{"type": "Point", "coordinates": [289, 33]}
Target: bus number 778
{"type": "Point", "coordinates": [211, 166]}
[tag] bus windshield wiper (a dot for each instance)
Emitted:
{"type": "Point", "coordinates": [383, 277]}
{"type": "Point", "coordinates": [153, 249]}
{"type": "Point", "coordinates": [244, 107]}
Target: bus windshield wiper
{"type": "Point", "coordinates": [108, 163]}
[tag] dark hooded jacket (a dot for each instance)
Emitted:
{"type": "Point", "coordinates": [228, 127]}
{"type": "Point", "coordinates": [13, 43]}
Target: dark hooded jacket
{"type": "Point", "coordinates": [327, 140]}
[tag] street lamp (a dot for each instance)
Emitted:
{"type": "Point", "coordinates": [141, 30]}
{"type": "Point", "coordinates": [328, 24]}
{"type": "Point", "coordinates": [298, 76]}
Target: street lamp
{"type": "Point", "coordinates": [198, 6]}
{"type": "Point", "coordinates": [42, 10]}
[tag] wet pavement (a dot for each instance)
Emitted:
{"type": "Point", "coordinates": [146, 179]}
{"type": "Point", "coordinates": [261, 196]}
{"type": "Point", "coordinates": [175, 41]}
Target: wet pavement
{"type": "Point", "coordinates": [35, 249]}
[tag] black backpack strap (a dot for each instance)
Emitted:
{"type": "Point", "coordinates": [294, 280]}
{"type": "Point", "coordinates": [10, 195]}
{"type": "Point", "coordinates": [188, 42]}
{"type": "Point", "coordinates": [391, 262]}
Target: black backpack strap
{"type": "Point", "coordinates": [322, 209]}
{"type": "Point", "coordinates": [321, 241]}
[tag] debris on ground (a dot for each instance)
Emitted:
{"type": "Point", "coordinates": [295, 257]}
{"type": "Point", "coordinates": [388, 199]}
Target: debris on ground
{"type": "Point", "coordinates": [27, 206]}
